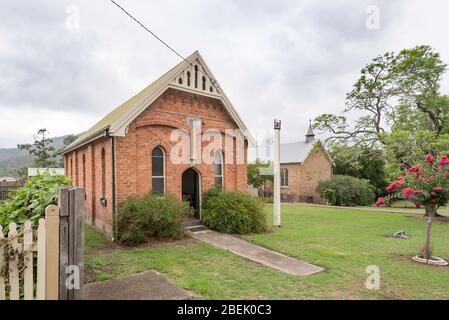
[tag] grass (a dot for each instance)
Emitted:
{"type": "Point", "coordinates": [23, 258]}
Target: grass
{"type": "Point", "coordinates": [344, 242]}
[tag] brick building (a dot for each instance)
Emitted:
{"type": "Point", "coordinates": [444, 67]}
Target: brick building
{"type": "Point", "coordinates": [303, 165]}
{"type": "Point", "coordinates": [180, 135]}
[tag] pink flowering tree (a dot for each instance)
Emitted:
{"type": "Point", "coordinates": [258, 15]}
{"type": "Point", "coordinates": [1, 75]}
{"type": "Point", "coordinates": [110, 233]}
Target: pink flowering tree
{"type": "Point", "coordinates": [426, 183]}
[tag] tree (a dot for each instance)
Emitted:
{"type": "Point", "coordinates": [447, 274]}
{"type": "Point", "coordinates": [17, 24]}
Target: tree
{"type": "Point", "coordinates": [428, 183]}
{"type": "Point", "coordinates": [69, 139]}
{"type": "Point", "coordinates": [42, 150]}
{"type": "Point", "coordinates": [255, 176]}
{"type": "Point", "coordinates": [362, 163]}
{"type": "Point", "coordinates": [396, 96]}
{"type": "Point", "coordinates": [370, 95]}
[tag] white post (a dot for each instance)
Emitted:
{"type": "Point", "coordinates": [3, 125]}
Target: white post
{"type": "Point", "coordinates": [277, 176]}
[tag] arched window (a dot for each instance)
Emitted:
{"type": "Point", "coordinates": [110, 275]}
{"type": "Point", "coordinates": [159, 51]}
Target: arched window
{"type": "Point", "coordinates": [188, 78]}
{"type": "Point", "coordinates": [196, 76]}
{"type": "Point", "coordinates": [158, 171]}
{"type": "Point", "coordinates": [203, 79]}
{"type": "Point", "coordinates": [103, 173]}
{"type": "Point", "coordinates": [180, 80]}
{"type": "Point", "coordinates": [218, 163]}
{"type": "Point", "coordinates": [84, 170]}
{"type": "Point", "coordinates": [284, 177]}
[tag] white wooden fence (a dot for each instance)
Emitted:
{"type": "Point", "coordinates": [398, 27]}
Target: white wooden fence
{"type": "Point", "coordinates": [24, 251]}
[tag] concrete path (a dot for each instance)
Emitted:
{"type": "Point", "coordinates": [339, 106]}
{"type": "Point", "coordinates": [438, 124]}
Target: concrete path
{"type": "Point", "coordinates": [149, 285]}
{"type": "Point", "coordinates": [256, 253]}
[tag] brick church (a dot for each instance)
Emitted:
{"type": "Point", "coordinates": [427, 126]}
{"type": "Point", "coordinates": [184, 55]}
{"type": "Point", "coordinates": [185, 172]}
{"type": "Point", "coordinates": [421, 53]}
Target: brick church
{"type": "Point", "coordinates": [160, 141]}
{"type": "Point", "coordinates": [303, 164]}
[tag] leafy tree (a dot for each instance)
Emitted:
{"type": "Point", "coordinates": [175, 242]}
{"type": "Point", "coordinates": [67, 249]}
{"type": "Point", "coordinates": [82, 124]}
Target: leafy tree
{"type": "Point", "coordinates": [399, 103]}
{"type": "Point", "coordinates": [428, 183]}
{"type": "Point", "coordinates": [69, 139]}
{"type": "Point", "coordinates": [255, 176]}
{"type": "Point", "coordinates": [42, 150]}
{"type": "Point", "coordinates": [362, 163]}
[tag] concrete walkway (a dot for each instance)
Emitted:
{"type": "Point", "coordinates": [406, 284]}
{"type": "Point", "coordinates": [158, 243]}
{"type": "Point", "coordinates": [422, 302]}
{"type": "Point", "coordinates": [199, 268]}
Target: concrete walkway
{"type": "Point", "coordinates": [149, 285]}
{"type": "Point", "coordinates": [256, 253]}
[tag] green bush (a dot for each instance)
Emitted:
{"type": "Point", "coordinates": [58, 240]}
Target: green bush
{"type": "Point", "coordinates": [233, 212]}
{"type": "Point", "coordinates": [30, 201]}
{"type": "Point", "coordinates": [349, 191]}
{"type": "Point", "coordinates": [330, 196]}
{"type": "Point", "coordinates": [151, 216]}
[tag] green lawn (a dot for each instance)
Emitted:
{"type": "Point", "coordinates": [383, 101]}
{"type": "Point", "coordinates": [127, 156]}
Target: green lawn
{"type": "Point", "coordinates": [344, 242]}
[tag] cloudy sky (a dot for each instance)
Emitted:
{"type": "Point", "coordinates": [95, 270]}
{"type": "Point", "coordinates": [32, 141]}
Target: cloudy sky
{"type": "Point", "coordinates": [65, 64]}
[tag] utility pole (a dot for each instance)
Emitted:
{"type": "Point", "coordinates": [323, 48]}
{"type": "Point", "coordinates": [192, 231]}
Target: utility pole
{"type": "Point", "coordinates": [277, 175]}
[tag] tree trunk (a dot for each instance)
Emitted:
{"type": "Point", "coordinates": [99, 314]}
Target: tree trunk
{"type": "Point", "coordinates": [435, 214]}
{"type": "Point", "coordinates": [430, 211]}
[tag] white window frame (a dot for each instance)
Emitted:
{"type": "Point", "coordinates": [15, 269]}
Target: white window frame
{"type": "Point", "coordinates": [222, 168]}
{"type": "Point", "coordinates": [282, 180]}
{"type": "Point", "coordinates": [163, 169]}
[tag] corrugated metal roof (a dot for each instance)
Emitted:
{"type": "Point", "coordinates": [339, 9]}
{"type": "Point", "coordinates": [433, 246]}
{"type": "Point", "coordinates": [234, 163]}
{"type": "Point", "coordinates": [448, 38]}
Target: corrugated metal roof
{"type": "Point", "coordinates": [295, 152]}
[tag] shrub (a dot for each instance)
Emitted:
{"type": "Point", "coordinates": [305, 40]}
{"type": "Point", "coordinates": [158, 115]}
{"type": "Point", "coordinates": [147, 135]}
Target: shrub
{"type": "Point", "coordinates": [349, 191]}
{"type": "Point", "coordinates": [151, 216]}
{"type": "Point", "coordinates": [329, 195]}
{"type": "Point", "coordinates": [30, 201]}
{"type": "Point", "coordinates": [234, 212]}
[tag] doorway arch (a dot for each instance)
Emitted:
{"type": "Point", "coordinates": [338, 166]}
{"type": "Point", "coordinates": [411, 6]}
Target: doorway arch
{"type": "Point", "coordinates": [191, 190]}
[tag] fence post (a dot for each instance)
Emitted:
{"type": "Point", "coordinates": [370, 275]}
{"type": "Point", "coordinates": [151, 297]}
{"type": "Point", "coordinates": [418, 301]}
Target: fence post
{"type": "Point", "coordinates": [78, 239]}
{"type": "Point", "coordinates": [2, 262]}
{"type": "Point", "coordinates": [40, 290]}
{"type": "Point", "coordinates": [71, 235]}
{"type": "Point", "coordinates": [28, 261]}
{"type": "Point", "coordinates": [14, 263]}
{"type": "Point", "coordinates": [52, 252]}
{"type": "Point", "coordinates": [63, 240]}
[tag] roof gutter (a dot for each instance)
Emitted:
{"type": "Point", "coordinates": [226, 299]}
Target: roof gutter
{"type": "Point", "coordinates": [99, 134]}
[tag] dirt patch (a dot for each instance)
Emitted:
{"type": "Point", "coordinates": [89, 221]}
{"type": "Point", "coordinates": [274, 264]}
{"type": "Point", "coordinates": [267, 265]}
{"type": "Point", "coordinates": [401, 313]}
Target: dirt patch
{"type": "Point", "coordinates": [161, 243]}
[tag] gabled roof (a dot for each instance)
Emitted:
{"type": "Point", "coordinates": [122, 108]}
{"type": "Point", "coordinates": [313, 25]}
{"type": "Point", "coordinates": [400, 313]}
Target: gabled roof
{"type": "Point", "coordinates": [295, 152]}
{"type": "Point", "coordinates": [117, 121]}
{"type": "Point", "coordinates": [298, 152]}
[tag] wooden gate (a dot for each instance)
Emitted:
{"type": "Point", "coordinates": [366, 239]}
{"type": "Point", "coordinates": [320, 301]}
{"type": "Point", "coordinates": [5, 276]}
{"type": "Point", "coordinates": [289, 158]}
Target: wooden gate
{"type": "Point", "coordinates": [45, 261]}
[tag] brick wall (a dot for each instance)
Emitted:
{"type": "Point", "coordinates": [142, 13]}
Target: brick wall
{"type": "Point", "coordinates": [303, 177]}
{"type": "Point", "coordinates": [315, 168]}
{"type": "Point", "coordinates": [150, 129]}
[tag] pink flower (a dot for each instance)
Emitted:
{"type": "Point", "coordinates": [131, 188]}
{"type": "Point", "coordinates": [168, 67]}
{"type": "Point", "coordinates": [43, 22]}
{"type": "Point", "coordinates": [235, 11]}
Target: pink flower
{"type": "Point", "coordinates": [444, 160]}
{"type": "Point", "coordinates": [433, 193]}
{"type": "Point", "coordinates": [418, 203]}
{"type": "Point", "coordinates": [414, 169]}
{"type": "Point", "coordinates": [407, 192]}
{"type": "Point", "coordinates": [420, 179]}
{"type": "Point", "coordinates": [440, 168]}
{"type": "Point", "coordinates": [394, 185]}
{"type": "Point", "coordinates": [433, 201]}
{"type": "Point", "coordinates": [429, 159]}
{"type": "Point", "coordinates": [419, 191]}
{"type": "Point", "coordinates": [431, 178]}
{"type": "Point", "coordinates": [380, 202]}
{"type": "Point", "coordinates": [439, 189]}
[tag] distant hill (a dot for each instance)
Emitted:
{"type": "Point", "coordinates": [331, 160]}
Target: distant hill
{"type": "Point", "coordinates": [12, 158]}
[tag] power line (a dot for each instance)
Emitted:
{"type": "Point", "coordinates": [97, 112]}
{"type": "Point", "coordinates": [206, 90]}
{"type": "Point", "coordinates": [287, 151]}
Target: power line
{"type": "Point", "coordinates": [213, 81]}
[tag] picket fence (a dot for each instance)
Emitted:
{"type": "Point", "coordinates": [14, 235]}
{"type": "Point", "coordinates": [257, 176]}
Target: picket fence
{"type": "Point", "coordinates": [21, 255]}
